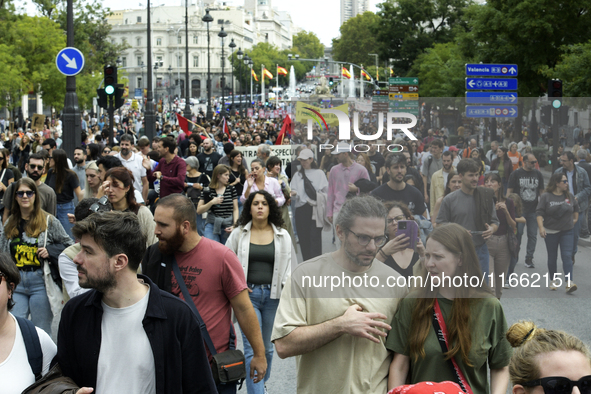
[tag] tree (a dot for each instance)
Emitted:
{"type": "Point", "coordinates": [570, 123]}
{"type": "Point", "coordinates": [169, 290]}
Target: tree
{"type": "Point", "coordinates": [440, 70]}
{"type": "Point", "coordinates": [307, 45]}
{"type": "Point", "coordinates": [573, 69]}
{"type": "Point", "coordinates": [357, 40]}
{"type": "Point", "coordinates": [406, 28]}
{"type": "Point", "coordinates": [13, 81]}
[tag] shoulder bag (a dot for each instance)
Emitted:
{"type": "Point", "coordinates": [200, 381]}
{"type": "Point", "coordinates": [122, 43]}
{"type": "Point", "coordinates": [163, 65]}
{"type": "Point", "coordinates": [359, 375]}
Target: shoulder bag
{"type": "Point", "coordinates": [227, 367]}
{"type": "Point", "coordinates": [54, 292]}
{"type": "Point", "coordinates": [308, 187]}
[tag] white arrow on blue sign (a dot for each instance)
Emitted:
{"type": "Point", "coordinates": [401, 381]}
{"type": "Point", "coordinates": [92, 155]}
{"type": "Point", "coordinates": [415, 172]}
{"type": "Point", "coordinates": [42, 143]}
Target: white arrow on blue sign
{"type": "Point", "coordinates": [494, 111]}
{"type": "Point", "coordinates": [69, 61]}
{"type": "Point", "coordinates": [492, 70]}
{"type": "Point", "coordinates": [491, 98]}
{"type": "Point", "coordinates": [491, 83]}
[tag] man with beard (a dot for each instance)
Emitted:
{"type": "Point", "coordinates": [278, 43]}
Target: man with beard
{"type": "Point", "coordinates": [170, 171]}
{"type": "Point", "coordinates": [127, 335]}
{"type": "Point", "coordinates": [80, 165]}
{"type": "Point", "coordinates": [133, 162]}
{"type": "Point", "coordinates": [35, 168]}
{"type": "Point", "coordinates": [330, 327]}
{"type": "Point", "coordinates": [396, 189]}
{"type": "Point", "coordinates": [209, 158]}
{"type": "Point", "coordinates": [213, 275]}
{"type": "Point", "coordinates": [439, 178]}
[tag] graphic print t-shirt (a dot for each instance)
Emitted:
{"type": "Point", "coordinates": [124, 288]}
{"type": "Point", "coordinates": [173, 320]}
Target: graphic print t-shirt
{"type": "Point", "coordinates": [24, 248]}
{"type": "Point", "coordinates": [526, 184]}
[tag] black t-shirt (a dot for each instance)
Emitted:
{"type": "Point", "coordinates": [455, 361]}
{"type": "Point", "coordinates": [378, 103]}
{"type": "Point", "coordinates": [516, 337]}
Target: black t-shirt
{"type": "Point", "coordinates": [23, 248]}
{"type": "Point", "coordinates": [240, 185]}
{"type": "Point", "coordinates": [193, 193]}
{"type": "Point", "coordinates": [406, 272]}
{"type": "Point", "coordinates": [208, 162]}
{"type": "Point", "coordinates": [378, 161]}
{"type": "Point", "coordinates": [410, 195]}
{"type": "Point", "coordinates": [526, 184]}
{"type": "Point", "coordinates": [70, 184]}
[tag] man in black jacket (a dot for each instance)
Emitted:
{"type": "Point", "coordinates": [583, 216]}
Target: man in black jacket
{"type": "Point", "coordinates": [127, 335]}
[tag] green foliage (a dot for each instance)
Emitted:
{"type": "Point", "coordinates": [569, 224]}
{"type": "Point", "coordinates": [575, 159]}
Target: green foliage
{"type": "Point", "coordinates": [13, 81]}
{"type": "Point", "coordinates": [441, 71]}
{"type": "Point", "coordinates": [574, 68]}
{"type": "Point", "coordinates": [307, 45]}
{"type": "Point", "coordinates": [406, 28]}
{"type": "Point", "coordinates": [357, 40]}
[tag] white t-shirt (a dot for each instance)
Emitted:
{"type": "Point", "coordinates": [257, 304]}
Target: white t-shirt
{"type": "Point", "coordinates": [15, 372]}
{"type": "Point", "coordinates": [126, 361]}
{"type": "Point", "coordinates": [134, 164]}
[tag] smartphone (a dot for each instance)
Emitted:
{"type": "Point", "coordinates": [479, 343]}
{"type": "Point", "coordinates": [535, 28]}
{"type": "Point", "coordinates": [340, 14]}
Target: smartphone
{"type": "Point", "coordinates": [410, 228]}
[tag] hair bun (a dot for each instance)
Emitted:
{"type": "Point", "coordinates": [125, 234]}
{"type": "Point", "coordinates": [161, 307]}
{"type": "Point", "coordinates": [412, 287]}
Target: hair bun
{"type": "Point", "coordinates": [521, 332]}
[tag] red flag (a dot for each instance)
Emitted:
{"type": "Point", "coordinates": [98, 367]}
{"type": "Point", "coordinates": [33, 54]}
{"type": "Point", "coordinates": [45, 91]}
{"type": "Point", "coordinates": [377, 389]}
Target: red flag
{"type": "Point", "coordinates": [184, 123]}
{"type": "Point", "coordinates": [225, 127]}
{"type": "Point", "coordinates": [285, 130]}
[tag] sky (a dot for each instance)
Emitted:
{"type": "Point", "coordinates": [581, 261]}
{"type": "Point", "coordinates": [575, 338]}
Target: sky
{"type": "Point", "coordinates": [319, 16]}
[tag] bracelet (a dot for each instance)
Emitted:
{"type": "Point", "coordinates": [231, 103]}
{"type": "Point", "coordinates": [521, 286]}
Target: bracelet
{"type": "Point", "coordinates": [383, 254]}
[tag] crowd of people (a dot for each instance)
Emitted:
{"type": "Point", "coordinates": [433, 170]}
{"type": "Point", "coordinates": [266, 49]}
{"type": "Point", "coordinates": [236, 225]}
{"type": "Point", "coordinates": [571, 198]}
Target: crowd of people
{"type": "Point", "coordinates": [112, 237]}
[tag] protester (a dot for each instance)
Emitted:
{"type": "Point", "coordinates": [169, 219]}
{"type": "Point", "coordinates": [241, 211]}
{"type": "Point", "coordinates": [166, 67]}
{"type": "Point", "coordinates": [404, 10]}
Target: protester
{"type": "Point", "coordinates": [266, 253]}
{"type": "Point", "coordinates": [454, 182]}
{"type": "Point", "coordinates": [274, 171]}
{"type": "Point", "coordinates": [431, 164]}
{"type": "Point", "coordinates": [133, 162]}
{"type": "Point", "coordinates": [515, 157]}
{"type": "Point", "coordinates": [557, 213]}
{"type": "Point", "coordinates": [195, 183]}
{"type": "Point", "coordinates": [257, 180]}
{"type": "Point", "coordinates": [209, 158]}
{"type": "Point", "coordinates": [238, 173]}
{"type": "Point", "coordinates": [440, 177]}
{"type": "Point", "coordinates": [93, 181]}
{"type": "Point", "coordinates": [502, 164]}
{"type": "Point", "coordinates": [170, 171]}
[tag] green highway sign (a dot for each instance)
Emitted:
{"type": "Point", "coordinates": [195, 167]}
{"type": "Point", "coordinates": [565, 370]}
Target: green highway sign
{"type": "Point", "coordinates": [404, 104]}
{"type": "Point", "coordinates": [403, 80]}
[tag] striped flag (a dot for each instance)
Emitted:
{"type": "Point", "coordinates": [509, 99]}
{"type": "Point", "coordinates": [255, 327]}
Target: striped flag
{"type": "Point", "coordinates": [391, 72]}
{"type": "Point", "coordinates": [267, 73]}
{"type": "Point", "coordinates": [363, 73]}
{"type": "Point", "coordinates": [346, 73]}
{"type": "Point", "coordinates": [254, 75]}
{"type": "Point", "coordinates": [281, 71]}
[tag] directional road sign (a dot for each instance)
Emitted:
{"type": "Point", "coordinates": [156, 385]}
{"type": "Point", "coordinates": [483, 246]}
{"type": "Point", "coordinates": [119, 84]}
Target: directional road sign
{"type": "Point", "coordinates": [492, 70]}
{"type": "Point", "coordinates": [404, 96]}
{"type": "Point", "coordinates": [491, 83]}
{"type": "Point", "coordinates": [491, 98]}
{"type": "Point", "coordinates": [491, 111]}
{"type": "Point", "coordinates": [403, 81]}
{"type": "Point", "coordinates": [69, 61]}
{"type": "Point", "coordinates": [403, 88]}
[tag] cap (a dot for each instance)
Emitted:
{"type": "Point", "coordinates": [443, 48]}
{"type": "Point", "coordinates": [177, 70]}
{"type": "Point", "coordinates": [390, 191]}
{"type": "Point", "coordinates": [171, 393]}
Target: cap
{"type": "Point", "coordinates": [428, 388]}
{"type": "Point", "coordinates": [453, 149]}
{"type": "Point", "coordinates": [341, 147]}
{"type": "Point", "coordinates": [306, 154]}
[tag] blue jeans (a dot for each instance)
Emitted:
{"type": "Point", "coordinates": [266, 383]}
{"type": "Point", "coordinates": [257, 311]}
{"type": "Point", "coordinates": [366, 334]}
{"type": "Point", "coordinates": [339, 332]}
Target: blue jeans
{"type": "Point", "coordinates": [564, 239]}
{"type": "Point", "coordinates": [483, 258]}
{"type": "Point", "coordinates": [265, 308]}
{"type": "Point", "coordinates": [62, 215]}
{"type": "Point", "coordinates": [513, 263]}
{"type": "Point", "coordinates": [200, 224]}
{"type": "Point", "coordinates": [228, 388]}
{"type": "Point", "coordinates": [576, 232]}
{"type": "Point", "coordinates": [532, 233]}
{"type": "Point", "coordinates": [30, 296]}
{"type": "Point", "coordinates": [208, 233]}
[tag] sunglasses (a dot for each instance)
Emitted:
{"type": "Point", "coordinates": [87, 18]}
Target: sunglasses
{"type": "Point", "coordinates": [35, 167]}
{"type": "Point", "coordinates": [561, 385]}
{"type": "Point", "coordinates": [95, 207]}
{"type": "Point", "coordinates": [28, 193]}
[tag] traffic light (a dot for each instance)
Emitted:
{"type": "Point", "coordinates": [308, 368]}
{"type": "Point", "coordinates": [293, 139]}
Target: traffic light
{"type": "Point", "coordinates": [546, 114]}
{"type": "Point", "coordinates": [110, 80]}
{"type": "Point", "coordinates": [563, 115]}
{"type": "Point", "coordinates": [330, 81]}
{"type": "Point", "coordinates": [555, 92]}
{"type": "Point", "coordinates": [119, 100]}
{"type": "Point", "coordinates": [103, 99]}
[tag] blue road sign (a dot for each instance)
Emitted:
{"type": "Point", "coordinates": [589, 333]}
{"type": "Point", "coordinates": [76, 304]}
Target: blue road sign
{"type": "Point", "coordinates": [491, 98]}
{"type": "Point", "coordinates": [492, 70]}
{"type": "Point", "coordinates": [491, 83]}
{"type": "Point", "coordinates": [69, 61]}
{"type": "Point", "coordinates": [491, 111]}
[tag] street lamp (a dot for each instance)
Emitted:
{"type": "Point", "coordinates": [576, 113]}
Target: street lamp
{"type": "Point", "coordinates": [240, 55]}
{"type": "Point", "coordinates": [156, 77]}
{"type": "Point", "coordinates": [251, 63]}
{"type": "Point", "coordinates": [222, 34]}
{"type": "Point", "coordinates": [246, 63]}
{"type": "Point", "coordinates": [169, 86]}
{"type": "Point", "coordinates": [207, 19]}
{"type": "Point", "coordinates": [232, 46]}
{"type": "Point", "coordinates": [187, 111]}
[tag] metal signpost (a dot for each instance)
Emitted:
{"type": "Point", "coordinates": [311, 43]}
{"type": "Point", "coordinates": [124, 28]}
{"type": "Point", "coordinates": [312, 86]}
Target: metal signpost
{"type": "Point", "coordinates": [403, 94]}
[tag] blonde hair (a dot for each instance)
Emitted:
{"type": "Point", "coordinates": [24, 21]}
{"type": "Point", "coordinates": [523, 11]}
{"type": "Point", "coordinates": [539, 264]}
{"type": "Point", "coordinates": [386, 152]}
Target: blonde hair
{"type": "Point", "coordinates": [530, 342]}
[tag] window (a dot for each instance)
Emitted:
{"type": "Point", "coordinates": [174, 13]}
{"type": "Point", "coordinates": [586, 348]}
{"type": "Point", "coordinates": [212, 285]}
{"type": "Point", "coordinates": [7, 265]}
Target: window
{"type": "Point", "coordinates": [139, 60]}
{"type": "Point", "coordinates": [124, 40]}
{"type": "Point", "coordinates": [159, 82]}
{"type": "Point", "coordinates": [139, 82]}
{"type": "Point", "coordinates": [195, 39]}
{"type": "Point", "coordinates": [195, 61]}
{"type": "Point", "coordinates": [123, 61]}
{"type": "Point", "coordinates": [179, 39]}
{"type": "Point", "coordinates": [159, 41]}
{"type": "Point", "coordinates": [139, 42]}
{"type": "Point", "coordinates": [126, 21]}
{"type": "Point", "coordinates": [179, 62]}
{"type": "Point", "coordinates": [139, 19]}
{"type": "Point", "coordinates": [159, 61]}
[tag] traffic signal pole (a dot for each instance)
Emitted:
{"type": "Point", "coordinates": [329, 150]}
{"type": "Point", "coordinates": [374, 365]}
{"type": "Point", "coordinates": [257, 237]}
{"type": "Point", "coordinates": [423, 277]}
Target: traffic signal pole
{"type": "Point", "coordinates": [555, 138]}
{"type": "Point", "coordinates": [72, 124]}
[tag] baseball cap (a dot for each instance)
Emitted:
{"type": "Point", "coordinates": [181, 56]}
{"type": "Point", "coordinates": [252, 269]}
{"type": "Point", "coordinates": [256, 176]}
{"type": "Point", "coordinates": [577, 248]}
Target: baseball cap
{"type": "Point", "coordinates": [306, 154]}
{"type": "Point", "coordinates": [428, 388]}
{"type": "Point", "coordinates": [453, 149]}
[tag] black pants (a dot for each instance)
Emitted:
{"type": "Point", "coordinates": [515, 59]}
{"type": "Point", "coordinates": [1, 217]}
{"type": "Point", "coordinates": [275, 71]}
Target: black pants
{"type": "Point", "coordinates": [309, 235]}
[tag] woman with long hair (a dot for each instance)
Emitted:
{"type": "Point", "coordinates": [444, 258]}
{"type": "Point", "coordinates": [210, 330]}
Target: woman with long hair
{"type": "Point", "coordinates": [238, 173]}
{"type": "Point", "coordinates": [515, 156]}
{"type": "Point", "coordinates": [93, 151]}
{"type": "Point", "coordinates": [65, 183]}
{"type": "Point", "coordinates": [547, 361]}
{"type": "Point", "coordinates": [220, 202]}
{"type": "Point", "coordinates": [309, 234]}
{"type": "Point", "coordinates": [363, 159]}
{"type": "Point", "coordinates": [25, 232]}
{"type": "Point", "coordinates": [118, 188]}
{"type": "Point", "coordinates": [557, 213]}
{"type": "Point", "coordinates": [396, 253]}
{"type": "Point", "coordinates": [471, 321]}
{"type": "Point", "coordinates": [92, 187]}
{"type": "Point", "coordinates": [498, 247]}
{"type": "Point", "coordinates": [266, 251]}
{"type": "Point", "coordinates": [192, 150]}
{"type": "Point", "coordinates": [503, 165]}
{"type": "Point", "coordinates": [274, 166]}
{"type": "Point", "coordinates": [454, 182]}
{"type": "Point", "coordinates": [6, 177]}
{"type": "Point", "coordinates": [257, 180]}
{"type": "Point", "coordinates": [24, 151]}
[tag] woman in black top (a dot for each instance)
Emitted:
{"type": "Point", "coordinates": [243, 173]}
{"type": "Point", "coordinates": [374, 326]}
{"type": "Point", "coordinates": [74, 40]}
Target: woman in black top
{"type": "Point", "coordinates": [195, 182]}
{"type": "Point", "coordinates": [192, 150]}
{"type": "Point", "coordinates": [65, 183]}
{"type": "Point", "coordinates": [395, 253]}
{"type": "Point", "coordinates": [6, 177]}
{"type": "Point", "coordinates": [238, 173]}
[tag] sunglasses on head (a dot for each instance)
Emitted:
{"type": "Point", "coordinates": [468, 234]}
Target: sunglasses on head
{"type": "Point", "coordinates": [561, 385]}
{"type": "Point", "coordinates": [28, 193]}
{"type": "Point", "coordinates": [95, 207]}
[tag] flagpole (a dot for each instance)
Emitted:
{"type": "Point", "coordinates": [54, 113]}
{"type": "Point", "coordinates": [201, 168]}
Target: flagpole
{"type": "Point", "coordinates": [277, 87]}
{"type": "Point", "coordinates": [263, 84]}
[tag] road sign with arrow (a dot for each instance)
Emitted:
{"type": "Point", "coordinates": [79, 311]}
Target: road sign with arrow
{"type": "Point", "coordinates": [495, 111]}
{"type": "Point", "coordinates": [69, 61]}
{"type": "Point", "coordinates": [491, 83]}
{"type": "Point", "coordinates": [490, 98]}
{"type": "Point", "coordinates": [492, 70]}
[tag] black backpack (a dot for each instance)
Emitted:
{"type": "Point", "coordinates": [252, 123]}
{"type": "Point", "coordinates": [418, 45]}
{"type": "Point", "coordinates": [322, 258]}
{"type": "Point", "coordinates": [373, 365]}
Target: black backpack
{"type": "Point", "coordinates": [33, 346]}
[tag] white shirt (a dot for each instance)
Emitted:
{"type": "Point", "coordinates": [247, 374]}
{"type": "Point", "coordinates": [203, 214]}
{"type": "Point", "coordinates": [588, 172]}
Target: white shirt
{"type": "Point", "coordinates": [134, 164]}
{"type": "Point", "coordinates": [126, 362]}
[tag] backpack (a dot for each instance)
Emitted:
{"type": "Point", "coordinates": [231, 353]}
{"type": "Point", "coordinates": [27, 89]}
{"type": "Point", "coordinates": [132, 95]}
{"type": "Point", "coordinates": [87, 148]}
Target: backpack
{"type": "Point", "coordinates": [32, 344]}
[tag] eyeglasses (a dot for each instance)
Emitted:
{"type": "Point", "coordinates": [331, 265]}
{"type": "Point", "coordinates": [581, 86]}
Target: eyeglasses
{"type": "Point", "coordinates": [96, 206]}
{"type": "Point", "coordinates": [396, 219]}
{"type": "Point", "coordinates": [35, 167]}
{"type": "Point", "coordinates": [364, 240]}
{"type": "Point", "coordinates": [564, 181]}
{"type": "Point", "coordinates": [28, 193]}
{"type": "Point", "coordinates": [106, 151]}
{"type": "Point", "coordinates": [561, 385]}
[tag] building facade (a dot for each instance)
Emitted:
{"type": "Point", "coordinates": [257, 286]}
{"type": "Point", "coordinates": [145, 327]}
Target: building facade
{"type": "Point", "coordinates": [352, 8]}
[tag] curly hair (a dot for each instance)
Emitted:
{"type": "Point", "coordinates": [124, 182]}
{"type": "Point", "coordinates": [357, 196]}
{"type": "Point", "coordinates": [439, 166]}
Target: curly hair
{"type": "Point", "coordinates": [274, 210]}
